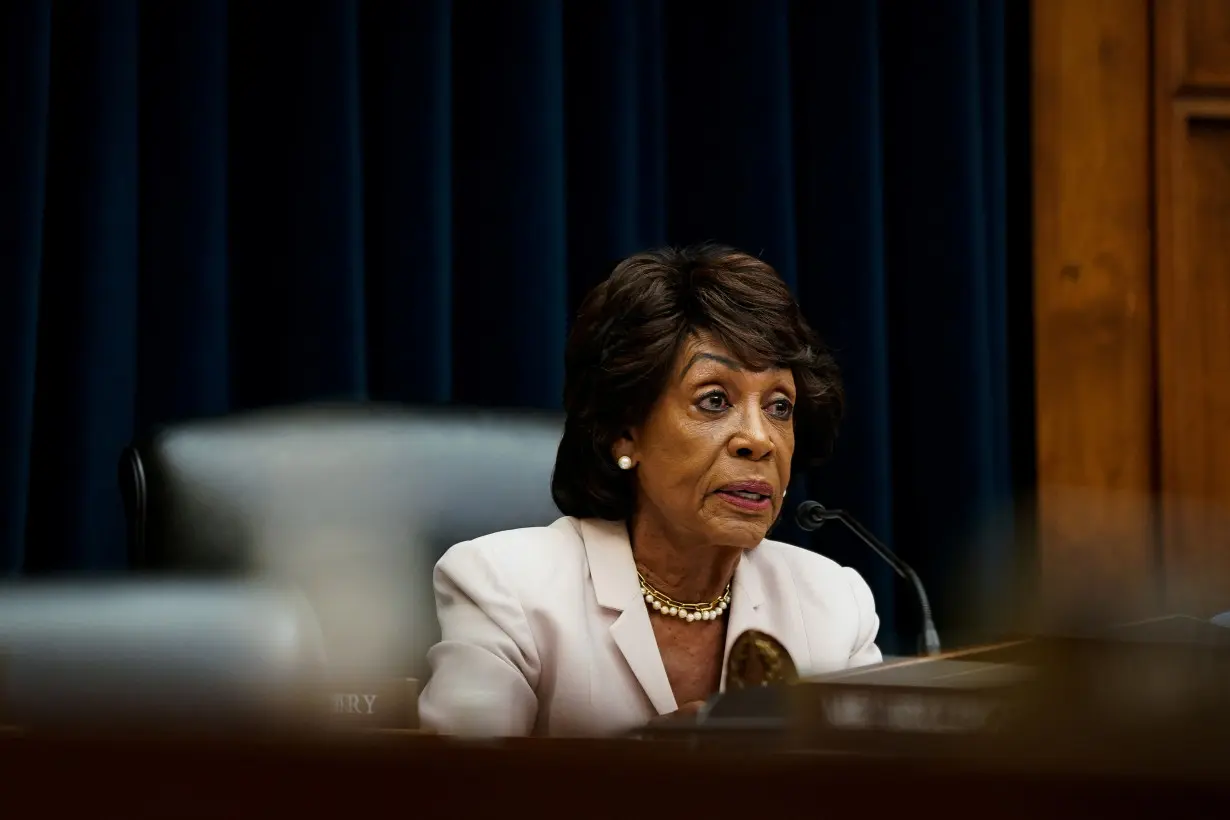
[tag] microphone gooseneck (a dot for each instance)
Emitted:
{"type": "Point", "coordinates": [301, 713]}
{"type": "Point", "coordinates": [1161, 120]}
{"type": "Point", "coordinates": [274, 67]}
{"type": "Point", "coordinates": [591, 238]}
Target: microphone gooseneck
{"type": "Point", "coordinates": [811, 515]}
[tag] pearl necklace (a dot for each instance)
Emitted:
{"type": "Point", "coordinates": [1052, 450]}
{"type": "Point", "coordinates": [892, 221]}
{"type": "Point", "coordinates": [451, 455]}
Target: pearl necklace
{"type": "Point", "coordinates": [687, 612]}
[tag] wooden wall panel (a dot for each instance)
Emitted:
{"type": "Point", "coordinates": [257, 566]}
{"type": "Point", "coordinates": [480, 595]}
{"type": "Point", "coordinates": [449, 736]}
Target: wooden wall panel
{"type": "Point", "coordinates": [1092, 301]}
{"type": "Point", "coordinates": [1132, 301]}
{"type": "Point", "coordinates": [1195, 41]}
{"type": "Point", "coordinates": [1192, 121]}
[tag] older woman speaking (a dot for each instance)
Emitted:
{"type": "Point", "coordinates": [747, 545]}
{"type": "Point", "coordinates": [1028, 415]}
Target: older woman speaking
{"type": "Point", "coordinates": [693, 385]}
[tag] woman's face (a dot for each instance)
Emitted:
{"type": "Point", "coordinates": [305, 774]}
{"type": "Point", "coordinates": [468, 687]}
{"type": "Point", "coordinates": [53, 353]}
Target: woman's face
{"type": "Point", "coordinates": [713, 457]}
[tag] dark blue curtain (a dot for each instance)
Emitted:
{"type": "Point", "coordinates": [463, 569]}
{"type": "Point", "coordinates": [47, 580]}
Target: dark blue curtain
{"type": "Point", "coordinates": [208, 206]}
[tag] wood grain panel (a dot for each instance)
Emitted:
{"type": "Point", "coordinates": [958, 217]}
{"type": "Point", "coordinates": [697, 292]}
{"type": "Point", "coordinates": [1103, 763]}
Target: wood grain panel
{"type": "Point", "coordinates": [1092, 301]}
{"type": "Point", "coordinates": [1192, 111]}
{"type": "Point", "coordinates": [1198, 44]}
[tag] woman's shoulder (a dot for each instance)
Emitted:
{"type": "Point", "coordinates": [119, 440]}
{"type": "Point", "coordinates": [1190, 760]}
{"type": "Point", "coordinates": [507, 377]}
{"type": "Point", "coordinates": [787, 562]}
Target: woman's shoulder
{"type": "Point", "coordinates": [835, 602]}
{"type": "Point", "coordinates": [813, 574]}
{"type": "Point", "coordinates": [519, 553]}
{"type": "Point", "coordinates": [800, 560]}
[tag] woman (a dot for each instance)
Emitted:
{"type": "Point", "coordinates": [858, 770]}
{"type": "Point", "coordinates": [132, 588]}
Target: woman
{"type": "Point", "coordinates": [692, 386]}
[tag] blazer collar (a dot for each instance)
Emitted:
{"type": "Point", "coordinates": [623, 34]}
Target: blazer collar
{"type": "Point", "coordinates": [609, 552]}
{"type": "Point", "coordinates": [613, 573]}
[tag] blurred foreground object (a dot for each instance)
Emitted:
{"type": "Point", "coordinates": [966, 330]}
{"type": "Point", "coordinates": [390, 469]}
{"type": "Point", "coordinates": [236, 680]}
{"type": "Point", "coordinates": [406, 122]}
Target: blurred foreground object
{"type": "Point", "coordinates": [426, 777]}
{"type": "Point", "coordinates": [902, 764]}
{"type": "Point", "coordinates": [434, 777]}
{"type": "Point", "coordinates": [156, 654]}
{"type": "Point", "coordinates": [1147, 696]}
{"type": "Point", "coordinates": [353, 503]}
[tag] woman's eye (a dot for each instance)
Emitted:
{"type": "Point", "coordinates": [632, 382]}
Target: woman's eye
{"type": "Point", "coordinates": [714, 402]}
{"type": "Point", "coordinates": [781, 409]}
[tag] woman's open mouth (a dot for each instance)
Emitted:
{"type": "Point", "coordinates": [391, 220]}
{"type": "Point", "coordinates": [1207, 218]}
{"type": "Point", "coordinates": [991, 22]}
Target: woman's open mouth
{"type": "Point", "coordinates": [755, 496]}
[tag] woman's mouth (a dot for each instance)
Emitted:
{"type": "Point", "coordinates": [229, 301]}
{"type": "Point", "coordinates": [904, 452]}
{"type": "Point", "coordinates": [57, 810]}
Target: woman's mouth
{"type": "Point", "coordinates": [755, 496]}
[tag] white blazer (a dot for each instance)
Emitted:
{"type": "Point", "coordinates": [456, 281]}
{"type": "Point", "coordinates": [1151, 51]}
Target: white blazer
{"type": "Point", "coordinates": [544, 631]}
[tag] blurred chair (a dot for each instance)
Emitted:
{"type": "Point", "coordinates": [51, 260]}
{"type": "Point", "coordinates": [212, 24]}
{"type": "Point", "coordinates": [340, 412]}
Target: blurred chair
{"type": "Point", "coordinates": [352, 503]}
{"type": "Point", "coordinates": [213, 654]}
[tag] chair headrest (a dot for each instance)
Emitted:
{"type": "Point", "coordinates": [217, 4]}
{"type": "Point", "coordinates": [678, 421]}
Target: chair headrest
{"type": "Point", "coordinates": [223, 493]}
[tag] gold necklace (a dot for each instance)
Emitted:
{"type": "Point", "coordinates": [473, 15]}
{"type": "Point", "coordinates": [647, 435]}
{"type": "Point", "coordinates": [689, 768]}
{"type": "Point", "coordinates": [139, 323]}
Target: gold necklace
{"type": "Point", "coordinates": [671, 608]}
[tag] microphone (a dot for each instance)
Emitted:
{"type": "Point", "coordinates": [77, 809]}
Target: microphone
{"type": "Point", "coordinates": [811, 515]}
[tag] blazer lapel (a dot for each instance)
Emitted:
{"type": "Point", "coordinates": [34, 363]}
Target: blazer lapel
{"type": "Point", "coordinates": [616, 588]}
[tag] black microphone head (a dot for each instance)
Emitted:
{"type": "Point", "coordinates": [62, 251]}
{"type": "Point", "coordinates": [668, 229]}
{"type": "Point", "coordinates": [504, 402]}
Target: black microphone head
{"type": "Point", "coordinates": [805, 516]}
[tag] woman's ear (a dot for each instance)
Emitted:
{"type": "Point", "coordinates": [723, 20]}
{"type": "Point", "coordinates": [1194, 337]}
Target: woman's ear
{"type": "Point", "coordinates": [624, 447]}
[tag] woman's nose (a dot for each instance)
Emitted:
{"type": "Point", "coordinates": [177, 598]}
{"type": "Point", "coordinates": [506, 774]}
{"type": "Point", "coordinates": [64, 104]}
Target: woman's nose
{"type": "Point", "coordinates": [751, 439]}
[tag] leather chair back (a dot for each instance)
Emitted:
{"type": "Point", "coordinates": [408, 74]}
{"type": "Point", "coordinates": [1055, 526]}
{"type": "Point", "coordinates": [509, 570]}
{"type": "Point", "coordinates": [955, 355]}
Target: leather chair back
{"type": "Point", "coordinates": [353, 503]}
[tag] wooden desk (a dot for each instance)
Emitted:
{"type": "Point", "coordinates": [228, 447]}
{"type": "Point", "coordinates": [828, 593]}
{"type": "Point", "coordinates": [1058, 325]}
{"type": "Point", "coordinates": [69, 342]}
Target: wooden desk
{"type": "Point", "coordinates": [416, 776]}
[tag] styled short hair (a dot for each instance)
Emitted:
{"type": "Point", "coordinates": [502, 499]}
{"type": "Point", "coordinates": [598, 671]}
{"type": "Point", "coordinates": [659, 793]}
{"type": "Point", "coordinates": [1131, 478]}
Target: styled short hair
{"type": "Point", "coordinates": [625, 341]}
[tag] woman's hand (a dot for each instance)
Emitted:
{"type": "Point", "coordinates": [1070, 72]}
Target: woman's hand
{"type": "Point", "coordinates": [687, 711]}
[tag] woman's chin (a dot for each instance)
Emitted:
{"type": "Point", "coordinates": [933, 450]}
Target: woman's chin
{"type": "Point", "coordinates": [743, 533]}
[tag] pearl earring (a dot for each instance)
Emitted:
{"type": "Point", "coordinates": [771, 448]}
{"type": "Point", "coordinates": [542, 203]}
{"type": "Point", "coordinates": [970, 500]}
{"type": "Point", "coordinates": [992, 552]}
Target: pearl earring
{"type": "Point", "coordinates": [624, 462]}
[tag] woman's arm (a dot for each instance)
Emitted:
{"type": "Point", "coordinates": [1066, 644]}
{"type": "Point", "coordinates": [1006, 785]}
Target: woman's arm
{"type": "Point", "coordinates": [865, 650]}
{"type": "Point", "coordinates": [485, 668]}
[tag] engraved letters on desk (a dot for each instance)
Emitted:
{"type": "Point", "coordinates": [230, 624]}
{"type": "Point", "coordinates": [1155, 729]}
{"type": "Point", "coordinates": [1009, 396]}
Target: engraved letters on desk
{"type": "Point", "coordinates": [349, 703]}
{"type": "Point", "coordinates": [374, 704]}
{"type": "Point", "coordinates": [913, 712]}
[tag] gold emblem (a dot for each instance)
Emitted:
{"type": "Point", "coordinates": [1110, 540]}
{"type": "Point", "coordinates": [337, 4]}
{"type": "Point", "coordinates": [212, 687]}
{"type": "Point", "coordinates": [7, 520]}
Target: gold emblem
{"type": "Point", "coordinates": [757, 659]}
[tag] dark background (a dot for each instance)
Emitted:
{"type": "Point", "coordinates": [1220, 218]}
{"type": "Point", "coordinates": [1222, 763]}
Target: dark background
{"type": "Point", "coordinates": [209, 206]}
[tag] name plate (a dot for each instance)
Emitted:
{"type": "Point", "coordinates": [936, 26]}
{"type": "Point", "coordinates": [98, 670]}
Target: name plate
{"type": "Point", "coordinates": [921, 712]}
{"type": "Point", "coordinates": [387, 703]}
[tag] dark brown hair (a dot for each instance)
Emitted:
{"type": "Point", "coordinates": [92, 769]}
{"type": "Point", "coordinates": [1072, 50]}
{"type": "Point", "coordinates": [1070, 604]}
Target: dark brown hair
{"type": "Point", "coordinates": [627, 336]}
